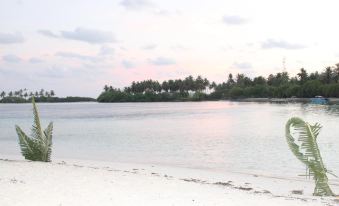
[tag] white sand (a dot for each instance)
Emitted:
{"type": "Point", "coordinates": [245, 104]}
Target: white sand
{"type": "Point", "coordinates": [82, 183]}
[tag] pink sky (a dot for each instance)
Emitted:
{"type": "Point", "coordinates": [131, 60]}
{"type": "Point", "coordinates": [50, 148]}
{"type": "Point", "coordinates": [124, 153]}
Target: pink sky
{"type": "Point", "coordinates": [77, 47]}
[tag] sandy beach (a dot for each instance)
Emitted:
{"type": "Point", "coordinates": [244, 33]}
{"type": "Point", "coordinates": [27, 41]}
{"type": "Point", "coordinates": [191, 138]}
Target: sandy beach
{"type": "Point", "coordinates": [78, 182]}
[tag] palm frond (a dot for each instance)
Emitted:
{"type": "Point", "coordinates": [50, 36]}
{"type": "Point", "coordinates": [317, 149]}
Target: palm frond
{"type": "Point", "coordinates": [25, 142]}
{"type": "Point", "coordinates": [36, 128]}
{"type": "Point", "coordinates": [39, 146]}
{"type": "Point", "coordinates": [48, 133]}
{"type": "Point", "coordinates": [29, 147]}
{"type": "Point", "coordinates": [301, 138]}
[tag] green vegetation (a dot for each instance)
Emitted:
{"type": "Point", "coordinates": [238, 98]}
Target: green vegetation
{"type": "Point", "coordinates": [39, 146]}
{"type": "Point", "coordinates": [280, 85]}
{"type": "Point", "coordinates": [24, 96]}
{"type": "Point", "coordinates": [189, 89]}
{"type": "Point", "coordinates": [308, 152]}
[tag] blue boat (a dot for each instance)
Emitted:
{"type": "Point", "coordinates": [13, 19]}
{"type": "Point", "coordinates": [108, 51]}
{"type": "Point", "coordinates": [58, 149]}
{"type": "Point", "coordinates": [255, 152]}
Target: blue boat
{"type": "Point", "coordinates": [319, 100]}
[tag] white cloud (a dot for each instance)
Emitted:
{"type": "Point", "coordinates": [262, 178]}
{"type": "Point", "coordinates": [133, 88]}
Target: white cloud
{"type": "Point", "coordinates": [234, 20]}
{"type": "Point", "coordinates": [149, 47]}
{"type": "Point", "coordinates": [35, 60]}
{"type": "Point", "coordinates": [272, 44]}
{"type": "Point", "coordinates": [48, 33]}
{"type": "Point", "coordinates": [242, 65]}
{"type": "Point", "coordinates": [92, 36]}
{"type": "Point", "coordinates": [136, 4]}
{"type": "Point", "coordinates": [106, 50]}
{"type": "Point", "coordinates": [127, 64]}
{"type": "Point", "coordinates": [162, 61]}
{"type": "Point", "coordinates": [8, 38]}
{"type": "Point", "coordinates": [11, 58]}
{"type": "Point", "coordinates": [76, 56]}
{"type": "Point", "coordinates": [89, 35]}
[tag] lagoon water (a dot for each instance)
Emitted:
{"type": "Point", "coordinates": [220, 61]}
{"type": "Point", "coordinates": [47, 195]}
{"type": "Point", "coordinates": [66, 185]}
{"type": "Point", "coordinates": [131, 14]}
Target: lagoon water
{"type": "Point", "coordinates": [225, 136]}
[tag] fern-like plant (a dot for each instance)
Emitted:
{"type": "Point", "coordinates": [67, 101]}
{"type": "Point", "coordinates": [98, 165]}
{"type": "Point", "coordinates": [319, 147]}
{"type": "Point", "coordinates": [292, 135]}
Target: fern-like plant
{"type": "Point", "coordinates": [39, 146]}
{"type": "Point", "coordinates": [302, 140]}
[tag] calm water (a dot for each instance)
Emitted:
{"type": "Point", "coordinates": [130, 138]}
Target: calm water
{"type": "Point", "coordinates": [244, 137]}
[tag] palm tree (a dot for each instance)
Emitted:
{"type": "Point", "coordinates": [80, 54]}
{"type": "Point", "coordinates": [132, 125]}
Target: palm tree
{"type": "Point", "coordinates": [164, 86]}
{"type": "Point", "coordinates": [42, 92]}
{"type": "Point", "coordinates": [171, 85]}
{"type": "Point", "coordinates": [336, 73]}
{"type": "Point", "coordinates": [106, 88]}
{"type": "Point", "coordinates": [302, 76]}
{"type": "Point", "coordinates": [230, 81]}
{"type": "Point", "coordinates": [39, 146]}
{"type": "Point", "coordinates": [20, 93]}
{"type": "Point", "coordinates": [3, 94]}
{"type": "Point", "coordinates": [327, 75]}
{"type": "Point", "coordinates": [52, 93]}
{"type": "Point", "coordinates": [213, 85]}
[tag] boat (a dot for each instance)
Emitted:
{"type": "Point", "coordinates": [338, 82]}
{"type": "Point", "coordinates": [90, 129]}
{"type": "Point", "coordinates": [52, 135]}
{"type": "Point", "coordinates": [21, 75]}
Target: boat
{"type": "Point", "coordinates": [319, 100]}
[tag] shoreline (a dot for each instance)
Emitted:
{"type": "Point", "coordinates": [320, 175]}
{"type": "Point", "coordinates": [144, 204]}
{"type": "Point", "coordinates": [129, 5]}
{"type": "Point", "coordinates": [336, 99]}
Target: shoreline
{"type": "Point", "coordinates": [284, 100]}
{"type": "Point", "coordinates": [78, 182]}
{"type": "Point", "coordinates": [258, 100]}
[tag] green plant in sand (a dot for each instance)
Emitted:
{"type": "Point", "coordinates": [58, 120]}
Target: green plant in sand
{"type": "Point", "coordinates": [39, 146]}
{"type": "Point", "coordinates": [302, 140]}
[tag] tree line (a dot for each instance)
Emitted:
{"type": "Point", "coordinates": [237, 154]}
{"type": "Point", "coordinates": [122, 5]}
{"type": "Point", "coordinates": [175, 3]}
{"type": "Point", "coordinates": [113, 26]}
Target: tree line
{"type": "Point", "coordinates": [25, 96]}
{"type": "Point", "coordinates": [24, 93]}
{"type": "Point", "coordinates": [279, 85]}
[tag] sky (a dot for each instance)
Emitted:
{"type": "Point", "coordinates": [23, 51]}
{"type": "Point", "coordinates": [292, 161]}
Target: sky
{"type": "Point", "coordinates": [75, 47]}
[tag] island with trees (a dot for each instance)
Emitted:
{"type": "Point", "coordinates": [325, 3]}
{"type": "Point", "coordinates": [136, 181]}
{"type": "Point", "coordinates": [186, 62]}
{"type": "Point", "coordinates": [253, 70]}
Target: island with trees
{"type": "Point", "coordinates": [240, 86]}
{"type": "Point", "coordinates": [25, 96]}
{"type": "Point", "coordinates": [235, 87]}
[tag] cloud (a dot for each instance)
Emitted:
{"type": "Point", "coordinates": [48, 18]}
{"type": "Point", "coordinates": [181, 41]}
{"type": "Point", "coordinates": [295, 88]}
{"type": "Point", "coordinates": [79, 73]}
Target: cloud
{"type": "Point", "coordinates": [54, 72]}
{"type": "Point", "coordinates": [89, 35]}
{"type": "Point", "coordinates": [272, 44]}
{"type": "Point", "coordinates": [48, 33]}
{"type": "Point", "coordinates": [165, 12]}
{"type": "Point", "coordinates": [11, 58]}
{"type": "Point", "coordinates": [149, 47]}
{"type": "Point", "coordinates": [136, 4]}
{"type": "Point", "coordinates": [76, 56]}
{"type": "Point", "coordinates": [179, 47]}
{"type": "Point", "coordinates": [8, 38]}
{"type": "Point", "coordinates": [34, 60]}
{"type": "Point", "coordinates": [127, 64]}
{"type": "Point", "coordinates": [234, 20]}
{"type": "Point", "coordinates": [162, 61]}
{"type": "Point", "coordinates": [106, 50]}
{"type": "Point", "coordinates": [242, 65]}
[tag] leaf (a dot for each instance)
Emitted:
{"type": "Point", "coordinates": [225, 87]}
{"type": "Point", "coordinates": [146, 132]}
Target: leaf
{"type": "Point", "coordinates": [24, 141]}
{"type": "Point", "coordinates": [39, 146]}
{"type": "Point", "coordinates": [48, 136]}
{"type": "Point", "coordinates": [36, 128]}
{"type": "Point", "coordinates": [29, 147]}
{"type": "Point", "coordinates": [301, 138]}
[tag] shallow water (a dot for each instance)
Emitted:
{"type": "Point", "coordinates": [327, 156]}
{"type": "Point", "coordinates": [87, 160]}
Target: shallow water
{"type": "Point", "coordinates": [230, 136]}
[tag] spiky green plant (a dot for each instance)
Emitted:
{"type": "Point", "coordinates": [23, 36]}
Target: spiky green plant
{"type": "Point", "coordinates": [39, 146]}
{"type": "Point", "coordinates": [302, 140]}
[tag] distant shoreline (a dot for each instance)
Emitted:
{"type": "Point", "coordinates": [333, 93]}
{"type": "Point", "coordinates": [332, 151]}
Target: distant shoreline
{"type": "Point", "coordinates": [19, 100]}
{"type": "Point", "coordinates": [283, 100]}
{"type": "Point", "coordinates": [258, 100]}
